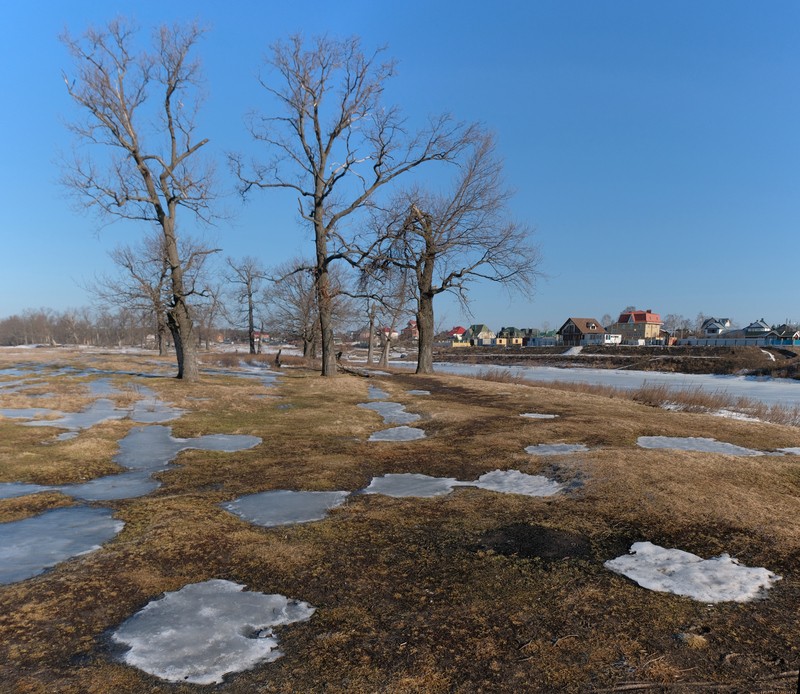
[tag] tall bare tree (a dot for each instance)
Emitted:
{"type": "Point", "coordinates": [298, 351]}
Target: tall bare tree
{"type": "Point", "coordinates": [335, 144]}
{"type": "Point", "coordinates": [247, 276]}
{"type": "Point", "coordinates": [448, 241]}
{"type": "Point", "coordinates": [141, 105]}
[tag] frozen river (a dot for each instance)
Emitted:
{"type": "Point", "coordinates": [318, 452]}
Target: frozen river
{"type": "Point", "coordinates": [772, 391]}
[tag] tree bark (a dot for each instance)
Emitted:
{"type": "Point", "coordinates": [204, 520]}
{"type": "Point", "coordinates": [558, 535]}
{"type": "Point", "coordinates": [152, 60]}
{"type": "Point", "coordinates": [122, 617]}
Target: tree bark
{"type": "Point", "coordinates": [425, 326]}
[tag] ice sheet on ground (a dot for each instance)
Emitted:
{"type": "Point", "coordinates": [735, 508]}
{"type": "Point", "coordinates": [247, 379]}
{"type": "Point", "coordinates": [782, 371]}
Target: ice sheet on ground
{"type": "Point", "coordinates": [283, 507]}
{"type": "Point", "coordinates": [693, 443]}
{"type": "Point", "coordinates": [538, 415]}
{"type": "Point", "coordinates": [150, 410]}
{"type": "Point", "coordinates": [402, 433]}
{"type": "Point", "coordinates": [203, 631]}
{"type": "Point", "coordinates": [720, 579]}
{"type": "Point", "coordinates": [790, 451]}
{"type": "Point", "coordinates": [392, 412]}
{"type": "Point", "coordinates": [502, 481]}
{"type": "Point", "coordinates": [411, 484]}
{"type": "Point", "coordinates": [556, 448]}
{"type": "Point", "coordinates": [516, 482]}
{"type": "Point", "coordinates": [31, 545]}
{"type": "Point", "coordinates": [126, 485]}
{"type": "Point", "coordinates": [28, 412]}
{"type": "Point", "coordinates": [375, 393]}
{"type": "Point", "coordinates": [10, 490]}
{"type": "Point", "coordinates": [99, 411]}
{"type": "Point", "coordinates": [153, 447]}
{"type": "Point", "coordinates": [419, 392]}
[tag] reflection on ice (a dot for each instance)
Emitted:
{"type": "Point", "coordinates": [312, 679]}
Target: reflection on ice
{"type": "Point", "coordinates": [284, 507]}
{"type": "Point", "coordinates": [29, 546]}
{"type": "Point", "coordinates": [692, 443]}
{"type": "Point", "coordinates": [203, 631]}
{"type": "Point", "coordinates": [720, 579]}
{"type": "Point", "coordinates": [392, 412]}
{"type": "Point", "coordinates": [556, 448]}
{"type": "Point", "coordinates": [398, 434]}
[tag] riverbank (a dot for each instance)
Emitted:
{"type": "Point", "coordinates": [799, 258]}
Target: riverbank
{"type": "Point", "coordinates": [754, 361]}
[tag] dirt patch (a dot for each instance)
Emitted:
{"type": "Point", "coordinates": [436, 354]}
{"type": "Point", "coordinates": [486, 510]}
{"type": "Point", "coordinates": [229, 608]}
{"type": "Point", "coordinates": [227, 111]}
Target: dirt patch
{"type": "Point", "coordinates": [536, 542]}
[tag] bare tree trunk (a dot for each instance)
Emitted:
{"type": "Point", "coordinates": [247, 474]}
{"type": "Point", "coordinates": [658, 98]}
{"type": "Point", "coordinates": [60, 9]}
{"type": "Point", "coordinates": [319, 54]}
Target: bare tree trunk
{"type": "Point", "coordinates": [251, 326]}
{"type": "Point", "coordinates": [386, 347]}
{"type": "Point", "coordinates": [325, 307]}
{"type": "Point", "coordinates": [371, 339]}
{"type": "Point", "coordinates": [426, 330]}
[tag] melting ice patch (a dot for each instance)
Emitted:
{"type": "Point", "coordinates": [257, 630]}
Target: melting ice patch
{"type": "Point", "coordinates": [392, 412]}
{"type": "Point", "coordinates": [516, 482]}
{"type": "Point", "coordinates": [403, 433]}
{"type": "Point", "coordinates": [203, 631]}
{"type": "Point", "coordinates": [411, 484]}
{"type": "Point", "coordinates": [503, 481]}
{"type": "Point", "coordinates": [282, 507]}
{"type": "Point", "coordinates": [692, 443]}
{"type": "Point", "coordinates": [31, 545]}
{"type": "Point", "coordinates": [150, 410]}
{"type": "Point", "coordinates": [556, 448]}
{"type": "Point", "coordinates": [419, 392]}
{"type": "Point", "coordinates": [720, 579]}
{"type": "Point", "coordinates": [537, 415]}
{"type": "Point", "coordinates": [375, 393]}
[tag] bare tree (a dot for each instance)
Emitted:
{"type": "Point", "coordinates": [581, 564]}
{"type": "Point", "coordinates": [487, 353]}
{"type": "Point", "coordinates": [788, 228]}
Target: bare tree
{"type": "Point", "coordinates": [336, 145]}
{"type": "Point", "coordinates": [290, 302]}
{"type": "Point", "coordinates": [247, 276]}
{"type": "Point", "coordinates": [448, 241]}
{"type": "Point", "coordinates": [142, 107]}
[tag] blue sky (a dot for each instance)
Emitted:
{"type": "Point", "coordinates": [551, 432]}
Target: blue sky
{"type": "Point", "coordinates": [654, 146]}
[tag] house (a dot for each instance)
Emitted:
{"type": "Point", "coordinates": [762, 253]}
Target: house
{"type": "Point", "coordinates": [410, 332]}
{"type": "Point", "coordinates": [479, 335]}
{"type": "Point", "coordinates": [787, 332]}
{"type": "Point", "coordinates": [541, 338]}
{"type": "Point", "coordinates": [637, 327]}
{"type": "Point", "coordinates": [510, 337]}
{"type": "Point", "coordinates": [712, 327]}
{"type": "Point", "coordinates": [456, 334]}
{"type": "Point", "coordinates": [757, 329]}
{"type": "Point", "coordinates": [574, 330]}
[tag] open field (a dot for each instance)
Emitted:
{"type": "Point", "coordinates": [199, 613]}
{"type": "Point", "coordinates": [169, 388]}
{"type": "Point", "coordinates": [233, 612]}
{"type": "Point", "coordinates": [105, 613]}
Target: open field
{"type": "Point", "coordinates": [475, 591]}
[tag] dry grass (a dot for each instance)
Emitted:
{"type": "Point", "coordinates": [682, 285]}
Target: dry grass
{"type": "Point", "coordinates": [413, 594]}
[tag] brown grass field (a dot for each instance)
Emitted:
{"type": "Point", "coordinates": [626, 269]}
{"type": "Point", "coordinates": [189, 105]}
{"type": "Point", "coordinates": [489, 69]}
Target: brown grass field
{"type": "Point", "coordinates": [472, 592]}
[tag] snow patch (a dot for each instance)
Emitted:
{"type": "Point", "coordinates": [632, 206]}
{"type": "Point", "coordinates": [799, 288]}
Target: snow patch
{"type": "Point", "coordinates": [516, 482]}
{"type": "Point", "coordinates": [556, 448]}
{"type": "Point", "coordinates": [721, 579]}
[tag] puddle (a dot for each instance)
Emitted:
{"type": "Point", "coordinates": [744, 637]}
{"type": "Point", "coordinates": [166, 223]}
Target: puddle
{"type": "Point", "coordinates": [411, 484]}
{"type": "Point", "coordinates": [419, 392]}
{"type": "Point", "coordinates": [204, 631]}
{"type": "Point", "coordinates": [691, 443]}
{"type": "Point", "coordinates": [10, 490]}
{"type": "Point", "coordinates": [392, 412]}
{"type": "Point", "coordinates": [720, 579]}
{"type": "Point", "coordinates": [28, 412]}
{"type": "Point", "coordinates": [403, 433]}
{"type": "Point", "coordinates": [99, 411]}
{"type": "Point", "coordinates": [31, 545]}
{"type": "Point", "coordinates": [556, 448]}
{"type": "Point", "coordinates": [536, 415]}
{"type": "Point", "coordinates": [126, 485]}
{"type": "Point", "coordinates": [283, 507]}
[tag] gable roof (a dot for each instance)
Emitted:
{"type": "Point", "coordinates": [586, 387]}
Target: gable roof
{"type": "Point", "coordinates": [585, 326]}
{"type": "Point", "coordinates": [639, 317]}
